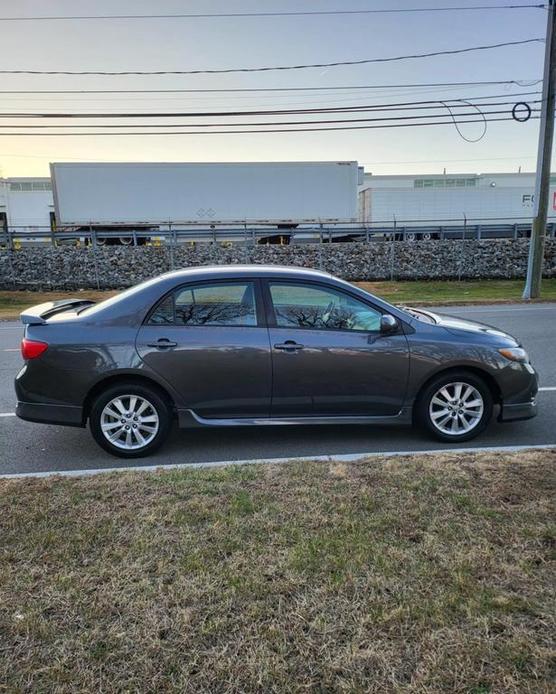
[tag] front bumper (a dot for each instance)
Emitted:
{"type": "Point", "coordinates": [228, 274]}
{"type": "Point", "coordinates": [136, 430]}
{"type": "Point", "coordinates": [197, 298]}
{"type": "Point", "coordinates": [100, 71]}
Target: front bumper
{"type": "Point", "coordinates": [65, 415]}
{"type": "Point", "coordinates": [524, 404]}
{"type": "Point", "coordinates": [516, 411]}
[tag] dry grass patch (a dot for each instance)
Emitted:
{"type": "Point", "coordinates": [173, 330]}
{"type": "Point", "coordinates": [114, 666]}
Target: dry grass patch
{"type": "Point", "coordinates": [411, 293]}
{"type": "Point", "coordinates": [13, 302]}
{"type": "Point", "coordinates": [418, 575]}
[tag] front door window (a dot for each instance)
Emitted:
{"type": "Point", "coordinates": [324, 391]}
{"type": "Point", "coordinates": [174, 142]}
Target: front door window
{"type": "Point", "coordinates": [306, 306]}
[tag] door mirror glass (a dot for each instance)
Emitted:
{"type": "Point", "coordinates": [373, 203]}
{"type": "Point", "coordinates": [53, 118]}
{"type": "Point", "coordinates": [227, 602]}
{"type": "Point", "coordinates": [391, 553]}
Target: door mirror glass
{"type": "Point", "coordinates": [388, 324]}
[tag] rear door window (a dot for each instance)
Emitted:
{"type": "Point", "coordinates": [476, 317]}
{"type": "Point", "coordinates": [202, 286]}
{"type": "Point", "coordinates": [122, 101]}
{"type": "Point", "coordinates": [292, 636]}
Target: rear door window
{"type": "Point", "coordinates": [216, 304]}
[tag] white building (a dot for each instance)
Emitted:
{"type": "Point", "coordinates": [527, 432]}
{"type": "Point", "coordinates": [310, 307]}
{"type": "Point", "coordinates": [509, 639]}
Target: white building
{"type": "Point", "coordinates": [26, 204]}
{"type": "Point", "coordinates": [420, 200]}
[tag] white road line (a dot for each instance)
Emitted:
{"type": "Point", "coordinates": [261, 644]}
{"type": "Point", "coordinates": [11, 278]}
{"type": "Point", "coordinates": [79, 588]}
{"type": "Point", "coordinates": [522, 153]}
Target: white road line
{"type": "Point", "coordinates": [545, 389]}
{"type": "Point", "coordinates": [493, 309]}
{"type": "Point", "coordinates": [342, 458]}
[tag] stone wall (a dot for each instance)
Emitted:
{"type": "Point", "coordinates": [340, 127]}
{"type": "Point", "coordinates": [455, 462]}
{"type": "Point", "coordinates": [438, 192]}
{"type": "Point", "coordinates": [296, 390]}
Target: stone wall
{"type": "Point", "coordinates": [121, 266]}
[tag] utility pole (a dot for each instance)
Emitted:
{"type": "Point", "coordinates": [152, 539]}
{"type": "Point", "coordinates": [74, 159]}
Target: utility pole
{"type": "Point", "coordinates": [546, 134]}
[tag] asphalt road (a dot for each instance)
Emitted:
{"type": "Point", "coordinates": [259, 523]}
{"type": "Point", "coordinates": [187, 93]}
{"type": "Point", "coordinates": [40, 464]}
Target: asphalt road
{"type": "Point", "coordinates": [26, 447]}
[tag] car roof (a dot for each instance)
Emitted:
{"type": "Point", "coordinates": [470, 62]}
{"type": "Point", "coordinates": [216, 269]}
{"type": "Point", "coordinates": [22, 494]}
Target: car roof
{"type": "Point", "coordinates": [219, 271]}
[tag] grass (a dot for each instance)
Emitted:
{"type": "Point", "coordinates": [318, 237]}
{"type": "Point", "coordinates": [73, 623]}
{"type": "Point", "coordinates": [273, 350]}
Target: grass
{"type": "Point", "coordinates": [415, 293]}
{"type": "Point", "coordinates": [453, 292]}
{"type": "Point", "coordinates": [417, 575]}
{"type": "Point", "coordinates": [13, 302]}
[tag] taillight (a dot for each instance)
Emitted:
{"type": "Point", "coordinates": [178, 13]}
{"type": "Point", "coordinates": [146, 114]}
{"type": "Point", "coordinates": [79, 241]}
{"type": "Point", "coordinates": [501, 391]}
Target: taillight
{"type": "Point", "coordinates": [31, 349]}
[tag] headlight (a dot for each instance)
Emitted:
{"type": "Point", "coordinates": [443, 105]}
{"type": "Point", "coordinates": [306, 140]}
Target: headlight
{"type": "Point", "coordinates": [515, 354]}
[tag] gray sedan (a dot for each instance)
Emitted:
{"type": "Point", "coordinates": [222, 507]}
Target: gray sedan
{"type": "Point", "coordinates": [262, 345]}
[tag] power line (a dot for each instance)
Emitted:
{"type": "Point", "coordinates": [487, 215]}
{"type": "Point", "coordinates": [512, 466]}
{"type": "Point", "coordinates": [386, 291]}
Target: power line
{"type": "Point", "coordinates": [359, 110]}
{"type": "Point", "coordinates": [259, 124]}
{"type": "Point", "coordinates": [518, 83]}
{"type": "Point", "coordinates": [231, 15]}
{"type": "Point", "coordinates": [365, 61]}
{"type": "Point", "coordinates": [409, 161]}
{"type": "Point", "coordinates": [112, 103]}
{"type": "Point", "coordinates": [10, 155]}
{"type": "Point", "coordinates": [243, 132]}
{"type": "Point", "coordinates": [108, 102]}
{"type": "Point", "coordinates": [144, 102]}
{"type": "Point", "coordinates": [272, 112]}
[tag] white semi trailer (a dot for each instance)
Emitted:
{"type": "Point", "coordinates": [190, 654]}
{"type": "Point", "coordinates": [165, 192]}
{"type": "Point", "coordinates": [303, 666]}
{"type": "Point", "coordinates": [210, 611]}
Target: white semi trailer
{"type": "Point", "coordinates": [275, 194]}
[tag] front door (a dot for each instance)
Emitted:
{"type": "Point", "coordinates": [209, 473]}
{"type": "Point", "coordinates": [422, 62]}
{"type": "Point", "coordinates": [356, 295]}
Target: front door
{"type": "Point", "coordinates": [329, 357]}
{"type": "Point", "coordinates": [209, 341]}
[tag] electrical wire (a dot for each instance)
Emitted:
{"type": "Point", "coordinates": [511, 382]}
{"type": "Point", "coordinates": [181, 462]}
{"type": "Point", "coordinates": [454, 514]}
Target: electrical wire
{"type": "Point", "coordinates": [242, 132]}
{"type": "Point", "coordinates": [365, 61]}
{"type": "Point", "coordinates": [456, 125]}
{"type": "Point", "coordinates": [260, 124]}
{"type": "Point", "coordinates": [519, 83]}
{"type": "Point", "coordinates": [170, 102]}
{"type": "Point", "coordinates": [391, 162]}
{"type": "Point", "coordinates": [403, 105]}
{"type": "Point", "coordinates": [411, 161]}
{"type": "Point", "coordinates": [231, 15]}
{"type": "Point", "coordinates": [254, 101]}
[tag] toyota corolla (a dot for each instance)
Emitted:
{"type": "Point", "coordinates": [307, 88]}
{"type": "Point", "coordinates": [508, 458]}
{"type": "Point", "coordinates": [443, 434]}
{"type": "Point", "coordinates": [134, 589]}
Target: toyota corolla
{"type": "Point", "coordinates": [262, 345]}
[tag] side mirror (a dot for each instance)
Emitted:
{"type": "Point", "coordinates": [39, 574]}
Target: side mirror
{"type": "Point", "coordinates": [388, 324]}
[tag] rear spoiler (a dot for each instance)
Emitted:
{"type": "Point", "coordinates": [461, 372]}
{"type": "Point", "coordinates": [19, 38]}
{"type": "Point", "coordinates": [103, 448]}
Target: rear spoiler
{"type": "Point", "coordinates": [39, 314]}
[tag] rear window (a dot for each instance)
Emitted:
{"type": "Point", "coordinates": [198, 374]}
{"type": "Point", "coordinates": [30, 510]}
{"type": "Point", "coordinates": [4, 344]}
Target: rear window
{"type": "Point", "coordinates": [113, 300]}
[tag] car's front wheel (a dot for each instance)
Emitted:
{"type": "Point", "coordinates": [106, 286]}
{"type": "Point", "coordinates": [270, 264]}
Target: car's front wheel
{"type": "Point", "coordinates": [455, 407]}
{"type": "Point", "coordinates": [130, 420]}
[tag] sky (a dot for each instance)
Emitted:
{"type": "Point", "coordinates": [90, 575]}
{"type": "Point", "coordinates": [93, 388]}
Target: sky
{"type": "Point", "coordinates": [166, 44]}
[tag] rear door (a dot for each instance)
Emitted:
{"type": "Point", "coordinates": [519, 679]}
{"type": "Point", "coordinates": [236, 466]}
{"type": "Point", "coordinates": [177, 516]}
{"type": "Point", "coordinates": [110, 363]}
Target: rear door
{"type": "Point", "coordinates": [210, 342]}
{"type": "Point", "coordinates": [329, 357]}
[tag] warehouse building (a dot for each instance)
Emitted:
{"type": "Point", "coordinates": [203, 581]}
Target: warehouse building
{"type": "Point", "coordinates": [449, 198]}
{"type": "Point", "coordinates": [26, 204]}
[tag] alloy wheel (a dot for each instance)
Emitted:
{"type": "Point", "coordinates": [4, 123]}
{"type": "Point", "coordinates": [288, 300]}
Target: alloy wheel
{"type": "Point", "coordinates": [456, 408]}
{"type": "Point", "coordinates": [129, 422]}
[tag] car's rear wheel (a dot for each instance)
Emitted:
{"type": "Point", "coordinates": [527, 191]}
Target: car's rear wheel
{"type": "Point", "coordinates": [130, 420]}
{"type": "Point", "coordinates": [455, 407]}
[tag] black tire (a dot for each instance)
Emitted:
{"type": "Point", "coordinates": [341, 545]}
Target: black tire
{"type": "Point", "coordinates": [158, 408]}
{"type": "Point", "coordinates": [423, 405]}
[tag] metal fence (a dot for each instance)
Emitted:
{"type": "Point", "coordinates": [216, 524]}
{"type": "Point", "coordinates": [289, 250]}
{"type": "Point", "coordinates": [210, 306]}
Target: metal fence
{"type": "Point", "coordinates": [173, 233]}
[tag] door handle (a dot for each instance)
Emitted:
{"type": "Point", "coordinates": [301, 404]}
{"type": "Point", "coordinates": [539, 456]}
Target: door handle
{"type": "Point", "coordinates": [163, 343]}
{"type": "Point", "coordinates": [288, 346]}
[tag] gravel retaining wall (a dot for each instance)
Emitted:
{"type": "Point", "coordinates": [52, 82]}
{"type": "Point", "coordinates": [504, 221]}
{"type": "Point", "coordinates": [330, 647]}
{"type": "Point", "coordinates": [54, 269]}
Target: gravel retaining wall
{"type": "Point", "coordinates": [113, 267]}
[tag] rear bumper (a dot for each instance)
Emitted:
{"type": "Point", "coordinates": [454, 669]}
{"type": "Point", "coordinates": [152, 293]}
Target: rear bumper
{"type": "Point", "coordinates": [65, 415]}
